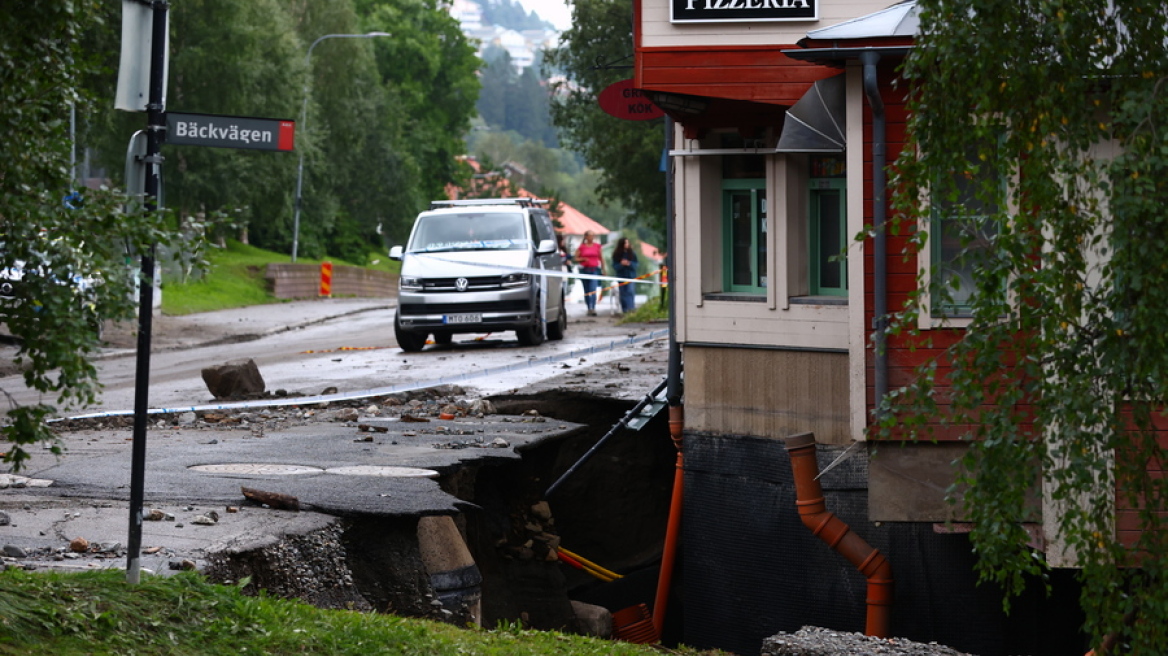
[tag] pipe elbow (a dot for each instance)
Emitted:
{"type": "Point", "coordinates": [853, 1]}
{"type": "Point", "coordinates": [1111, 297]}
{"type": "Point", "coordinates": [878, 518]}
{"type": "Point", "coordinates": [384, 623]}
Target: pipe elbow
{"type": "Point", "coordinates": [834, 532]}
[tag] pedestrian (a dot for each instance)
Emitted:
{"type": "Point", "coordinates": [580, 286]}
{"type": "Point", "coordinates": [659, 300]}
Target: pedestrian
{"type": "Point", "coordinates": [565, 256]}
{"type": "Point", "coordinates": [588, 256]}
{"type": "Point", "coordinates": [624, 263]}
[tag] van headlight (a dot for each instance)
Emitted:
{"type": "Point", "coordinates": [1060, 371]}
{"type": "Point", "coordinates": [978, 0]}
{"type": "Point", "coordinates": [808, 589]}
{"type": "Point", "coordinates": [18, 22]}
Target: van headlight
{"type": "Point", "coordinates": [516, 280]}
{"type": "Point", "coordinates": [410, 283]}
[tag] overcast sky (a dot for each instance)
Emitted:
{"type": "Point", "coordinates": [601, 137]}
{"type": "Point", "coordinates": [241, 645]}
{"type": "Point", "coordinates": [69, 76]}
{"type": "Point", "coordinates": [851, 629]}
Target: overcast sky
{"type": "Point", "coordinates": [555, 12]}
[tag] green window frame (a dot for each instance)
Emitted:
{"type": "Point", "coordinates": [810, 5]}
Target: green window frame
{"type": "Point", "coordinates": [744, 213]}
{"type": "Point", "coordinates": [828, 221]}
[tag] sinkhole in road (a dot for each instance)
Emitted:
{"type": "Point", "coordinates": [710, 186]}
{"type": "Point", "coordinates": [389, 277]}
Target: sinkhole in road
{"type": "Point", "coordinates": [613, 511]}
{"type": "Point", "coordinates": [270, 469]}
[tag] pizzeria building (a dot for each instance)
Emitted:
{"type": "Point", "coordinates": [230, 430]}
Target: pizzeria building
{"type": "Point", "coordinates": [786, 114]}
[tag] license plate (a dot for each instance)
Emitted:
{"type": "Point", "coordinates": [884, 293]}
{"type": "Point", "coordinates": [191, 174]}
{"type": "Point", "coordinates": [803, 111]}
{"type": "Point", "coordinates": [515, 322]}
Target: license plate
{"type": "Point", "coordinates": [462, 318]}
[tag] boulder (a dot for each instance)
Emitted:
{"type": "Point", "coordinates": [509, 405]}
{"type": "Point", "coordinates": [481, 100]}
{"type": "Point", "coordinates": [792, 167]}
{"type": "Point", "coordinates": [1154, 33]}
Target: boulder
{"type": "Point", "coordinates": [235, 379]}
{"type": "Point", "coordinates": [592, 620]}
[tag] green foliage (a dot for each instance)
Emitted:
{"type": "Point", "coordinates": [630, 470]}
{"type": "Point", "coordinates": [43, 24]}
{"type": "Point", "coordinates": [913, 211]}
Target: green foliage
{"type": "Point", "coordinates": [98, 613]}
{"type": "Point", "coordinates": [428, 69]}
{"type": "Point", "coordinates": [384, 121]}
{"type": "Point", "coordinates": [628, 153]}
{"type": "Point", "coordinates": [1063, 371]}
{"type": "Point", "coordinates": [75, 263]}
{"type": "Point", "coordinates": [514, 101]}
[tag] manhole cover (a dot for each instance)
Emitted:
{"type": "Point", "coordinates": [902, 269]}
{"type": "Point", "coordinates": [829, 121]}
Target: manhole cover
{"type": "Point", "coordinates": [371, 470]}
{"type": "Point", "coordinates": [257, 469]}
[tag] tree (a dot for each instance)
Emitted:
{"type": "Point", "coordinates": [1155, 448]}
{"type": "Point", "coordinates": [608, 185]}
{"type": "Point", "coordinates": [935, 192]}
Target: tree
{"type": "Point", "coordinates": [385, 115]}
{"type": "Point", "coordinates": [429, 71]}
{"type": "Point", "coordinates": [68, 244]}
{"type": "Point", "coordinates": [1041, 126]}
{"type": "Point", "coordinates": [628, 153]}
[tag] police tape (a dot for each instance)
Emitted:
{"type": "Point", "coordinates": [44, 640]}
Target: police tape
{"type": "Point", "coordinates": [384, 391]}
{"type": "Point", "coordinates": [551, 273]}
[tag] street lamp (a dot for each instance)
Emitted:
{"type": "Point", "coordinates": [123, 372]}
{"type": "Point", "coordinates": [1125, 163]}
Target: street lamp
{"type": "Point", "coordinates": [304, 130]}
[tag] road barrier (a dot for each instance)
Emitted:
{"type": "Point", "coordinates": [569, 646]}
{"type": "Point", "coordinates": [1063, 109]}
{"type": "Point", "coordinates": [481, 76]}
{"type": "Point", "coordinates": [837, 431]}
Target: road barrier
{"type": "Point", "coordinates": [306, 281]}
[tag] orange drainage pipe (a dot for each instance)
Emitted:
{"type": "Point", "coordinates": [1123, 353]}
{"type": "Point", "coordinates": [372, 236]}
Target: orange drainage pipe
{"type": "Point", "coordinates": [673, 526]}
{"type": "Point", "coordinates": [832, 530]}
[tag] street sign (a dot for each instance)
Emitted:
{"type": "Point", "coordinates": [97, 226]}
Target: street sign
{"type": "Point", "coordinates": [230, 132]}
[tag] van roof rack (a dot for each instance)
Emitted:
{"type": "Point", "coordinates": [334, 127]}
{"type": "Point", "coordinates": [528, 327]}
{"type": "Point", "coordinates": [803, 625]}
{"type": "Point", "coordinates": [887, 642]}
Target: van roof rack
{"type": "Point", "coordinates": [521, 202]}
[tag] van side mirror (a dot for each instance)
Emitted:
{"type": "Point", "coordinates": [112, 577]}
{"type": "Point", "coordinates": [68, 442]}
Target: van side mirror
{"type": "Point", "coordinates": [395, 253]}
{"type": "Point", "coordinates": [545, 246]}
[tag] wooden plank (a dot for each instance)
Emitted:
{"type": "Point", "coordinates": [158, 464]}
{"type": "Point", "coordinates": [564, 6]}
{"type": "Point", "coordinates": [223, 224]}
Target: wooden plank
{"type": "Point", "coordinates": [768, 393]}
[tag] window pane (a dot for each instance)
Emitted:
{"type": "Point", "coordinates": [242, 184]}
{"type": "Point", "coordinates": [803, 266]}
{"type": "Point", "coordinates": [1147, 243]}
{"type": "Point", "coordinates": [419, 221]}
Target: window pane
{"type": "Point", "coordinates": [962, 231]}
{"type": "Point", "coordinates": [761, 260]}
{"type": "Point", "coordinates": [830, 239]}
{"type": "Point", "coordinates": [742, 236]}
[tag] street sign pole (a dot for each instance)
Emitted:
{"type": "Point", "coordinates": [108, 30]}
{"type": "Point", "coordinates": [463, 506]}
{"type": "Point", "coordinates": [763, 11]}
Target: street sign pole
{"type": "Point", "coordinates": [155, 131]}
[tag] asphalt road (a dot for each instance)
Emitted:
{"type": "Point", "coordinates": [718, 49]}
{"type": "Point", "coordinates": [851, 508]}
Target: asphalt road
{"type": "Point", "coordinates": [305, 348]}
{"type": "Point", "coordinates": [298, 447]}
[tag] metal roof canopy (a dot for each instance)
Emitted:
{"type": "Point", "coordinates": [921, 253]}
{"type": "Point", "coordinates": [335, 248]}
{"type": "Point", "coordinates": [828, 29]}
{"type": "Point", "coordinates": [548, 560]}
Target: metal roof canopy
{"type": "Point", "coordinates": [817, 123]}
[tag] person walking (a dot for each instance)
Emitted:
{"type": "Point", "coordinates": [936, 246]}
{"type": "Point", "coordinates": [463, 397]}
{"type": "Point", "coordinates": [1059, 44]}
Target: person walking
{"type": "Point", "coordinates": [588, 256]}
{"type": "Point", "coordinates": [624, 263]}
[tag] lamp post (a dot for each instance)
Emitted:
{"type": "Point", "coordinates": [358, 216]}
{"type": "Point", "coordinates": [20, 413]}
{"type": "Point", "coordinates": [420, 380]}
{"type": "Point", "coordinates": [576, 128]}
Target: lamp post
{"type": "Point", "coordinates": [304, 129]}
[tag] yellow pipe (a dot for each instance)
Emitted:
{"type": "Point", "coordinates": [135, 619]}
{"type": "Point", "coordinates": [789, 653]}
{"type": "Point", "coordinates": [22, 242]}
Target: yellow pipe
{"type": "Point", "coordinates": [588, 563]}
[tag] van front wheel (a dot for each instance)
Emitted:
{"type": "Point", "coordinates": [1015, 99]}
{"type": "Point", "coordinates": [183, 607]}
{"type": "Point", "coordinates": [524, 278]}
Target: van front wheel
{"type": "Point", "coordinates": [410, 342]}
{"type": "Point", "coordinates": [531, 335]}
{"type": "Point", "coordinates": [557, 328]}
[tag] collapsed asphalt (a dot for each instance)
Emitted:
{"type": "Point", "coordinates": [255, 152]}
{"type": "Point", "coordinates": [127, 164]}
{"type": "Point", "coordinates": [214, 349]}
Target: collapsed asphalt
{"type": "Point", "coordinates": [204, 512]}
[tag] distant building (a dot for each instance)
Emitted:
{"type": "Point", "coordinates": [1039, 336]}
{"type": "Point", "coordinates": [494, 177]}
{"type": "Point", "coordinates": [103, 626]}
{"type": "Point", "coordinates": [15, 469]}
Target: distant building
{"type": "Point", "coordinates": [521, 46]}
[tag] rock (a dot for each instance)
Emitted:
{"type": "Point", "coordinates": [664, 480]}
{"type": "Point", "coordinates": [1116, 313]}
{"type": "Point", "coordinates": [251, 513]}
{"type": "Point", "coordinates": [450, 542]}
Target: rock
{"type": "Point", "coordinates": [816, 641]}
{"type": "Point", "coordinates": [155, 515]}
{"type": "Point", "coordinates": [187, 418]}
{"type": "Point", "coordinates": [542, 510]}
{"type": "Point", "coordinates": [346, 414]}
{"type": "Point", "coordinates": [109, 547]}
{"type": "Point", "coordinates": [203, 520]}
{"type": "Point", "coordinates": [5, 520]}
{"type": "Point", "coordinates": [482, 407]}
{"type": "Point", "coordinates": [13, 551]}
{"type": "Point", "coordinates": [235, 379]}
{"type": "Point", "coordinates": [593, 620]}
{"type": "Point", "coordinates": [79, 545]}
{"type": "Point", "coordinates": [500, 443]}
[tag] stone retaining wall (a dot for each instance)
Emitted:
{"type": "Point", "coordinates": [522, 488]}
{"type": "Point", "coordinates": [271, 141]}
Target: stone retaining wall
{"type": "Point", "coordinates": [303, 281]}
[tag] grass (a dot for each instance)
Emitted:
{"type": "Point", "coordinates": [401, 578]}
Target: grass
{"type": "Point", "coordinates": [66, 614]}
{"type": "Point", "coordinates": [236, 279]}
{"type": "Point", "coordinates": [651, 310]}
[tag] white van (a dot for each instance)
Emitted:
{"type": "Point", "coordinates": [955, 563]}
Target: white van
{"type": "Point", "coordinates": [471, 266]}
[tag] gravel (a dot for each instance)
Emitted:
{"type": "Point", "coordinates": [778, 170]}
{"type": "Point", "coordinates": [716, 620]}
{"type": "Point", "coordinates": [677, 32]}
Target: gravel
{"type": "Point", "coordinates": [816, 641]}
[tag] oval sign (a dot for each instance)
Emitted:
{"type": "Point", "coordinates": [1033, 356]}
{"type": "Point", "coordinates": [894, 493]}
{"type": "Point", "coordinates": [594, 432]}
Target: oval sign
{"type": "Point", "coordinates": [622, 100]}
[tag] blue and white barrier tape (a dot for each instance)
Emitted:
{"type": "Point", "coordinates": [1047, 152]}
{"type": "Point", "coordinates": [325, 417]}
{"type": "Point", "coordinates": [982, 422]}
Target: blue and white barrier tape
{"type": "Point", "coordinates": [554, 273]}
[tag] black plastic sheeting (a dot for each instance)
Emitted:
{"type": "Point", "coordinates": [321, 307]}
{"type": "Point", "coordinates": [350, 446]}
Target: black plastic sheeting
{"type": "Point", "coordinates": [752, 569]}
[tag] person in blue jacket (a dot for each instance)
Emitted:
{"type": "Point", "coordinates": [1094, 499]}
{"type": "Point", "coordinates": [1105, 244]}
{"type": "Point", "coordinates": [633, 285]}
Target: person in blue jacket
{"type": "Point", "coordinates": [624, 263]}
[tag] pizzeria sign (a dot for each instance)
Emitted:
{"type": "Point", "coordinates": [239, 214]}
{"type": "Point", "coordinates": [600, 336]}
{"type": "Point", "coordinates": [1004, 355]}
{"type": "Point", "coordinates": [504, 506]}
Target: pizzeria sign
{"type": "Point", "coordinates": [726, 11]}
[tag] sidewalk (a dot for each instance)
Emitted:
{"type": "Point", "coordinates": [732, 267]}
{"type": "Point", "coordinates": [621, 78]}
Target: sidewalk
{"type": "Point", "coordinates": [204, 328]}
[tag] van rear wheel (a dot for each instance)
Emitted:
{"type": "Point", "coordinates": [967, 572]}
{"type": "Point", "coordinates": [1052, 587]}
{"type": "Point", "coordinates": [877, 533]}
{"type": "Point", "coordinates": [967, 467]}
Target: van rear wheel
{"type": "Point", "coordinates": [410, 342]}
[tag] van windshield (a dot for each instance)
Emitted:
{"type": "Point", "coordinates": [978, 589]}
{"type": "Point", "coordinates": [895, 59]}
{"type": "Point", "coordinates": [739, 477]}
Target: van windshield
{"type": "Point", "coordinates": [469, 232]}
